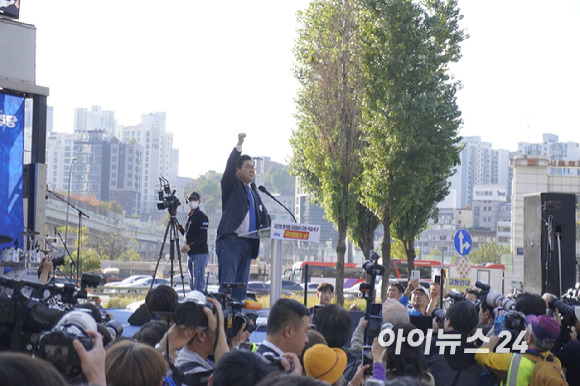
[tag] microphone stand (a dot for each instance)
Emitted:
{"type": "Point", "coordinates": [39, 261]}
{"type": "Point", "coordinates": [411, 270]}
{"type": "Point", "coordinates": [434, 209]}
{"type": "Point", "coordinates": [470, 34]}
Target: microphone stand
{"type": "Point", "coordinates": [72, 261]}
{"type": "Point", "coordinates": [262, 189]}
{"type": "Point", "coordinates": [81, 213]}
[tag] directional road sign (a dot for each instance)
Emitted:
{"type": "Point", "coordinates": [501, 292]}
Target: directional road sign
{"type": "Point", "coordinates": [462, 242]}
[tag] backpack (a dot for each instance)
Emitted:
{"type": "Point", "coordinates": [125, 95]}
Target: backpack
{"type": "Point", "coordinates": [547, 372]}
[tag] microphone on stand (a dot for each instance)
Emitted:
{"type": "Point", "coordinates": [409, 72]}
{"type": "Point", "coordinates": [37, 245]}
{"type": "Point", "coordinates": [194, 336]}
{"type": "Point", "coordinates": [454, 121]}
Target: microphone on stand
{"type": "Point", "coordinates": [262, 189]}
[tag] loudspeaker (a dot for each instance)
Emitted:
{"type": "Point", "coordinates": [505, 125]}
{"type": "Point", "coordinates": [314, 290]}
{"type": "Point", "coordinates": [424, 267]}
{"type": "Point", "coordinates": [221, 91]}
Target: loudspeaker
{"type": "Point", "coordinates": [34, 194]}
{"type": "Point", "coordinates": [549, 242]}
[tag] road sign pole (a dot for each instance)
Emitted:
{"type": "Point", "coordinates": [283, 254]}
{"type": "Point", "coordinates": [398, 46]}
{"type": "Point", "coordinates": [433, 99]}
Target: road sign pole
{"type": "Point", "coordinates": [276, 271]}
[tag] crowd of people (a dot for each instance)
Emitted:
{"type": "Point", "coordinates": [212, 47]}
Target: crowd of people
{"type": "Point", "coordinates": [195, 342]}
{"type": "Point", "coordinates": [188, 343]}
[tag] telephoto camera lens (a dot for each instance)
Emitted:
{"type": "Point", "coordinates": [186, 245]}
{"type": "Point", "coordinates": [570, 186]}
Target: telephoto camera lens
{"type": "Point", "coordinates": [115, 328]}
{"type": "Point", "coordinates": [58, 261]}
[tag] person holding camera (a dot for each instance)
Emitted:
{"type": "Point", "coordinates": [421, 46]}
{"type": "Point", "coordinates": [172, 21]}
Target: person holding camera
{"type": "Point", "coordinates": [195, 233]}
{"type": "Point", "coordinates": [567, 347]}
{"type": "Point", "coordinates": [44, 270]}
{"type": "Point", "coordinates": [239, 332]}
{"type": "Point", "coordinates": [541, 334]}
{"type": "Point", "coordinates": [242, 213]}
{"type": "Point", "coordinates": [422, 302]}
{"type": "Point", "coordinates": [205, 334]}
{"type": "Point", "coordinates": [458, 368]}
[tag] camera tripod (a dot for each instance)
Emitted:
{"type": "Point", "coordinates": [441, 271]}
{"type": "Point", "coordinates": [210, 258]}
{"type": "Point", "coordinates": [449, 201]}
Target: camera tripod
{"type": "Point", "coordinates": [172, 230]}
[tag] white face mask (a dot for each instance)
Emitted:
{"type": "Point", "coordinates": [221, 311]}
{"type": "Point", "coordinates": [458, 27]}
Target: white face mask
{"type": "Point", "coordinates": [193, 204]}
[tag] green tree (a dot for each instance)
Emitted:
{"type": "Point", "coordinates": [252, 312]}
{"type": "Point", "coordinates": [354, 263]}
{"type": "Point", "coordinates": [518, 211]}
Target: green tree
{"type": "Point", "coordinates": [488, 252]}
{"type": "Point", "coordinates": [208, 186]}
{"type": "Point", "coordinates": [362, 229]}
{"type": "Point", "coordinates": [278, 180]}
{"type": "Point", "coordinates": [112, 206]}
{"type": "Point", "coordinates": [399, 250]}
{"type": "Point", "coordinates": [410, 113]}
{"type": "Point", "coordinates": [326, 144]}
{"type": "Point", "coordinates": [89, 261]}
{"type": "Point", "coordinates": [114, 246]}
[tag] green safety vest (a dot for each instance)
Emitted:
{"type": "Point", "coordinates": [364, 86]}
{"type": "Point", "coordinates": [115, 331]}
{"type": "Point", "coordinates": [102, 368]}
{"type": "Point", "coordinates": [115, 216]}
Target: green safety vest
{"type": "Point", "coordinates": [519, 371]}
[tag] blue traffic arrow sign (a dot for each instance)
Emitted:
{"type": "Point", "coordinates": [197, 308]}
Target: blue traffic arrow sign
{"type": "Point", "coordinates": [462, 242]}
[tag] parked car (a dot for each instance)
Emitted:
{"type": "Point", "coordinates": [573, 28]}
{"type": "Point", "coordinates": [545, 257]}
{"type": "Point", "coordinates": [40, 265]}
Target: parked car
{"type": "Point", "coordinates": [144, 284]}
{"type": "Point", "coordinates": [288, 285]}
{"type": "Point", "coordinates": [312, 287]}
{"type": "Point", "coordinates": [258, 287]}
{"type": "Point", "coordinates": [210, 279]}
{"type": "Point", "coordinates": [127, 281]}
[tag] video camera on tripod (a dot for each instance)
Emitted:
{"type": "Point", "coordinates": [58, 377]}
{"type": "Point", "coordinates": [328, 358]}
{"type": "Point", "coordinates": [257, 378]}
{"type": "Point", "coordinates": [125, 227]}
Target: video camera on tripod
{"type": "Point", "coordinates": [167, 199]}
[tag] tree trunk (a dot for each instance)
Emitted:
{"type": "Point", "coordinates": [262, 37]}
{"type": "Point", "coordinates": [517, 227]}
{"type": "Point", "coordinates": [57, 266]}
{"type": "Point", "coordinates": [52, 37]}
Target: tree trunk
{"type": "Point", "coordinates": [340, 252]}
{"type": "Point", "coordinates": [368, 224]}
{"type": "Point", "coordinates": [410, 252]}
{"type": "Point", "coordinates": [386, 253]}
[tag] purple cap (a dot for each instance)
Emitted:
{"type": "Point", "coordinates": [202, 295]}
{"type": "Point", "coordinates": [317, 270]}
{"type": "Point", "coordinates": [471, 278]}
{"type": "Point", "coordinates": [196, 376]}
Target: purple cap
{"type": "Point", "coordinates": [544, 327]}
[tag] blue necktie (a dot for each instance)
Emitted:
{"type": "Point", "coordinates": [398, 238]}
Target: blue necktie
{"type": "Point", "coordinates": [252, 210]}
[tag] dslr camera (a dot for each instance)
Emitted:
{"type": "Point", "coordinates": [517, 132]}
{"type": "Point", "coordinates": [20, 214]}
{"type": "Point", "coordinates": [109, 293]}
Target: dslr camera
{"type": "Point", "coordinates": [276, 361]}
{"type": "Point", "coordinates": [56, 345]}
{"type": "Point", "coordinates": [238, 320]}
{"type": "Point", "coordinates": [190, 313]}
{"type": "Point", "coordinates": [57, 261]}
{"type": "Point", "coordinates": [439, 315]}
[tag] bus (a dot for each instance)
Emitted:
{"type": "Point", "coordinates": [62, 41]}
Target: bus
{"type": "Point", "coordinates": [325, 272]}
{"type": "Point", "coordinates": [398, 268]}
{"type": "Point", "coordinates": [490, 273]}
{"type": "Point", "coordinates": [354, 274]}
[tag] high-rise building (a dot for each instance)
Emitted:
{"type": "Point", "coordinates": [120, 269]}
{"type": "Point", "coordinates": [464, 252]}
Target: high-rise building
{"type": "Point", "coordinates": [158, 157]}
{"type": "Point", "coordinates": [59, 153]}
{"type": "Point", "coordinates": [125, 176]}
{"type": "Point", "coordinates": [90, 176]}
{"type": "Point", "coordinates": [487, 200]}
{"type": "Point", "coordinates": [156, 119]}
{"type": "Point", "coordinates": [94, 119]}
{"type": "Point", "coordinates": [551, 148]}
{"type": "Point", "coordinates": [307, 212]}
{"type": "Point", "coordinates": [49, 119]}
{"type": "Point", "coordinates": [479, 164]}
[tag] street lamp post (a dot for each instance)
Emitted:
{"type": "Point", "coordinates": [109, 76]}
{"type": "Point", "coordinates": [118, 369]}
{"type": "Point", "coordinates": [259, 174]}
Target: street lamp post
{"type": "Point", "coordinates": [68, 200]}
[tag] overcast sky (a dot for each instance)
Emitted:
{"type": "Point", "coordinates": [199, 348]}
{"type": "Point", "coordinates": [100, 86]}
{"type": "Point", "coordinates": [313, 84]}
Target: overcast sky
{"type": "Point", "coordinates": [218, 68]}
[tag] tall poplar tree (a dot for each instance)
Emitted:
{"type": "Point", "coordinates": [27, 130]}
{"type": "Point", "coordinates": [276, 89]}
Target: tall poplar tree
{"type": "Point", "coordinates": [411, 116]}
{"type": "Point", "coordinates": [327, 141]}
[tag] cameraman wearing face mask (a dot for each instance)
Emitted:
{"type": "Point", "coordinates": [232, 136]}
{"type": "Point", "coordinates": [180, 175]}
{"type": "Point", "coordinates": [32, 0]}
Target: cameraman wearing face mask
{"type": "Point", "coordinates": [195, 244]}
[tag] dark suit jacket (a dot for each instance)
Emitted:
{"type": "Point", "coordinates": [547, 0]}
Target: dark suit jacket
{"type": "Point", "coordinates": [235, 203]}
{"type": "Point", "coordinates": [264, 349]}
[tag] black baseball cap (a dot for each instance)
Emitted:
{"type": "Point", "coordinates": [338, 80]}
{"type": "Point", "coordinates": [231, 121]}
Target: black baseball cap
{"type": "Point", "coordinates": [193, 196]}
